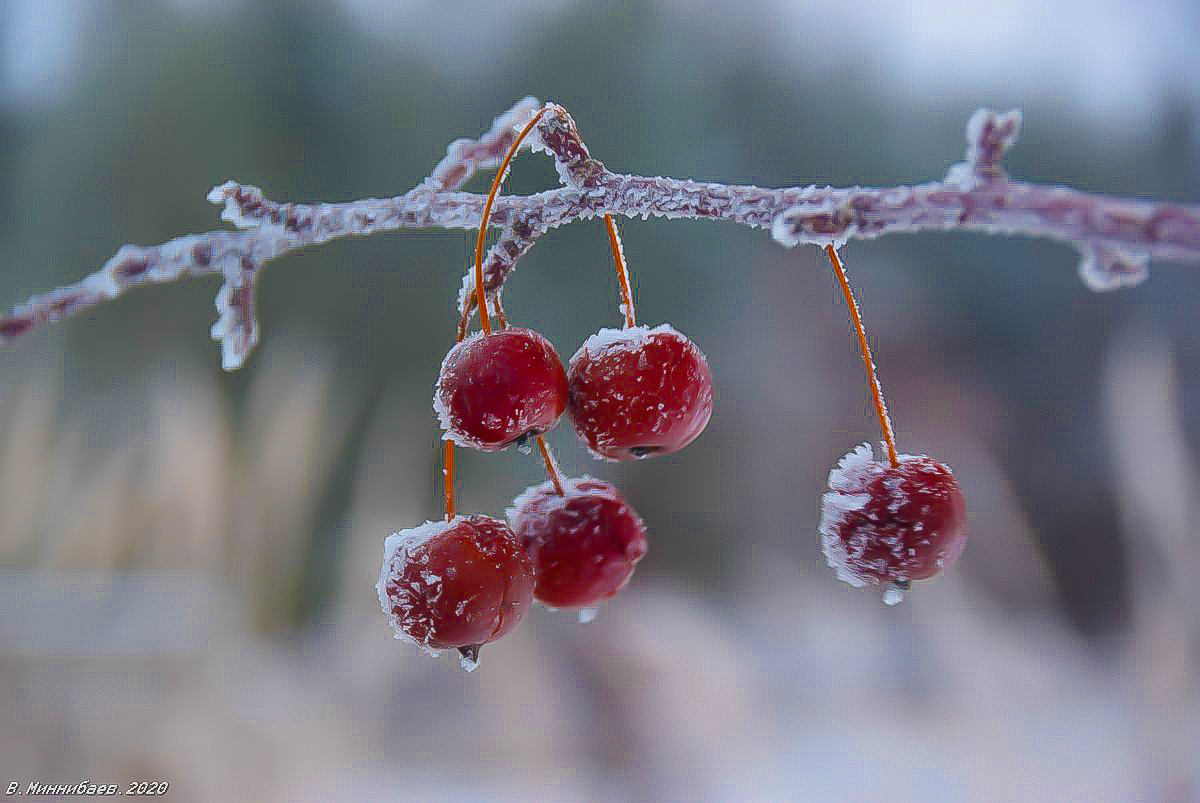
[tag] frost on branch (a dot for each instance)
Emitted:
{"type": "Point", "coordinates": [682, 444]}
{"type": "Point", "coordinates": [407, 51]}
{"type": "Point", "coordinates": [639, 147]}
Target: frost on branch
{"type": "Point", "coordinates": [1103, 268]}
{"type": "Point", "coordinates": [236, 328]}
{"type": "Point", "coordinates": [823, 223]}
{"type": "Point", "coordinates": [557, 135]}
{"type": "Point", "coordinates": [518, 236]}
{"type": "Point", "coordinates": [1116, 237]}
{"type": "Point", "coordinates": [989, 136]}
{"type": "Point", "coordinates": [465, 156]}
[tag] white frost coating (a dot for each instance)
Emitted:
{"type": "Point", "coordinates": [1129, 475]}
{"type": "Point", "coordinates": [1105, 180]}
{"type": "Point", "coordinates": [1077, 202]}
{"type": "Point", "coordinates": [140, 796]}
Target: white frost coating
{"type": "Point", "coordinates": [805, 223]}
{"type": "Point", "coordinates": [537, 144]}
{"type": "Point", "coordinates": [847, 482]}
{"type": "Point", "coordinates": [1104, 269]}
{"type": "Point", "coordinates": [237, 334]}
{"type": "Point", "coordinates": [445, 420]}
{"type": "Point", "coordinates": [587, 615]}
{"type": "Point", "coordinates": [468, 291]}
{"type": "Point", "coordinates": [223, 195]}
{"type": "Point", "coordinates": [608, 340]}
{"type": "Point", "coordinates": [397, 548]}
{"type": "Point", "coordinates": [1009, 126]}
{"type": "Point", "coordinates": [979, 118]}
{"type": "Point", "coordinates": [546, 489]}
{"type": "Point", "coordinates": [461, 165]}
{"type": "Point", "coordinates": [962, 175]}
{"type": "Point", "coordinates": [834, 507]}
{"type": "Point", "coordinates": [893, 596]}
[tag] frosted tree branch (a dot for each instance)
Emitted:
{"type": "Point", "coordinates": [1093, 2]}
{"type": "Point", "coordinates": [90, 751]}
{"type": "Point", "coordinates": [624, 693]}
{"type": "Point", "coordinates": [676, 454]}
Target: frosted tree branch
{"type": "Point", "coordinates": [1116, 237]}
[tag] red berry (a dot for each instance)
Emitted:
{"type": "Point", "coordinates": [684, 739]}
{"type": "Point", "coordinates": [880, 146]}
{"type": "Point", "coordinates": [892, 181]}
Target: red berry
{"type": "Point", "coordinates": [584, 544]}
{"type": "Point", "coordinates": [456, 584]}
{"type": "Point", "coordinates": [637, 392]}
{"type": "Point", "coordinates": [499, 389]}
{"type": "Point", "coordinates": [881, 523]}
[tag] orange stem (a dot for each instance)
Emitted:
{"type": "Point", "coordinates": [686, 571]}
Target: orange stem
{"type": "Point", "coordinates": [622, 271]}
{"type": "Point", "coordinates": [480, 294]}
{"type": "Point", "coordinates": [885, 421]}
{"type": "Point", "coordinates": [551, 465]}
{"type": "Point", "coordinates": [448, 478]}
{"type": "Point", "coordinates": [480, 299]}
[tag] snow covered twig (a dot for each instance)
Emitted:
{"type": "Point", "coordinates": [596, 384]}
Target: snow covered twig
{"type": "Point", "coordinates": [1116, 237]}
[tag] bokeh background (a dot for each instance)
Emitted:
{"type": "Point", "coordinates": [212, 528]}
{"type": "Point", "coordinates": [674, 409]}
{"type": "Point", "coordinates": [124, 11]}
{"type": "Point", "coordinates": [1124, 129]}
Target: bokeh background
{"type": "Point", "coordinates": [187, 558]}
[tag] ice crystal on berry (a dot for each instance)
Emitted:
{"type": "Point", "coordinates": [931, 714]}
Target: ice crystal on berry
{"type": "Point", "coordinates": [499, 389]}
{"type": "Point", "coordinates": [638, 392]}
{"type": "Point", "coordinates": [891, 524]}
{"type": "Point", "coordinates": [456, 584]}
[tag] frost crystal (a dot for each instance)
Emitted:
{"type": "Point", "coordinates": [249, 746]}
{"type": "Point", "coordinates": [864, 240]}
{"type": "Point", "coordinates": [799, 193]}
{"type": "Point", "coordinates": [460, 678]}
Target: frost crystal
{"type": "Point", "coordinates": [397, 550]}
{"type": "Point", "coordinates": [848, 482]}
{"type": "Point", "coordinates": [622, 339]}
{"type": "Point", "coordinates": [468, 661]}
{"type": "Point", "coordinates": [466, 293]}
{"type": "Point", "coordinates": [1104, 269]}
{"type": "Point", "coordinates": [823, 223]}
{"type": "Point", "coordinates": [893, 596]}
{"type": "Point", "coordinates": [550, 501]}
{"type": "Point", "coordinates": [444, 417]}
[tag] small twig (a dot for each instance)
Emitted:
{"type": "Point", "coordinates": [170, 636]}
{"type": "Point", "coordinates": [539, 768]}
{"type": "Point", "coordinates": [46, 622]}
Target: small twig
{"type": "Point", "coordinates": [1117, 237]}
{"type": "Point", "coordinates": [623, 283]}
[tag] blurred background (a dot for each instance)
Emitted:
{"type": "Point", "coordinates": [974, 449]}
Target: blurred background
{"type": "Point", "coordinates": [187, 558]}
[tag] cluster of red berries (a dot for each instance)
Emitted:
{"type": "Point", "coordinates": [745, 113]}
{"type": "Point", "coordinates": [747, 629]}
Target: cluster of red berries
{"type": "Point", "coordinates": [572, 543]}
{"type": "Point", "coordinates": [631, 392]}
{"type": "Point", "coordinates": [569, 543]}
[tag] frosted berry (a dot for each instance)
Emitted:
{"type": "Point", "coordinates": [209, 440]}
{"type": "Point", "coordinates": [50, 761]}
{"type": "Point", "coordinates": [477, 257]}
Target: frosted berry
{"type": "Point", "coordinates": [638, 392]}
{"type": "Point", "coordinates": [885, 524]}
{"type": "Point", "coordinates": [499, 389]}
{"type": "Point", "coordinates": [584, 543]}
{"type": "Point", "coordinates": [457, 584]}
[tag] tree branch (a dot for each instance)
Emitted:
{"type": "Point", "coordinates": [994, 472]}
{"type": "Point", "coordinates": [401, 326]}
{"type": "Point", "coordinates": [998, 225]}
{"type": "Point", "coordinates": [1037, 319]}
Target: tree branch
{"type": "Point", "coordinates": [1116, 237]}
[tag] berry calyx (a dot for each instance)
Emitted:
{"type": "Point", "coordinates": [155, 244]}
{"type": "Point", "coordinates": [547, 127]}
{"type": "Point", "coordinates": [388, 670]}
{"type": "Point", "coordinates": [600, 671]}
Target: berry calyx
{"type": "Point", "coordinates": [584, 541]}
{"type": "Point", "coordinates": [499, 389]}
{"type": "Point", "coordinates": [638, 392]}
{"type": "Point", "coordinates": [456, 584]}
{"type": "Point", "coordinates": [891, 524]}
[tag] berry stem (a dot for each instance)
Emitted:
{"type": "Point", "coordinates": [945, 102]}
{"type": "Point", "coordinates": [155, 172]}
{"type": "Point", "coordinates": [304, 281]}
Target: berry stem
{"type": "Point", "coordinates": [481, 299]}
{"type": "Point", "coordinates": [551, 465]}
{"type": "Point", "coordinates": [480, 293]}
{"type": "Point", "coordinates": [448, 478]}
{"type": "Point", "coordinates": [885, 421]}
{"type": "Point", "coordinates": [614, 239]}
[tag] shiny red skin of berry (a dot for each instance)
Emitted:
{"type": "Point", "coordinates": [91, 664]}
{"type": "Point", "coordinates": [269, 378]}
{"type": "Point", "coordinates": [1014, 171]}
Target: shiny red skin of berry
{"type": "Point", "coordinates": [639, 392]}
{"type": "Point", "coordinates": [494, 390]}
{"type": "Point", "coordinates": [456, 584]}
{"type": "Point", "coordinates": [584, 544]}
{"type": "Point", "coordinates": [888, 524]}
